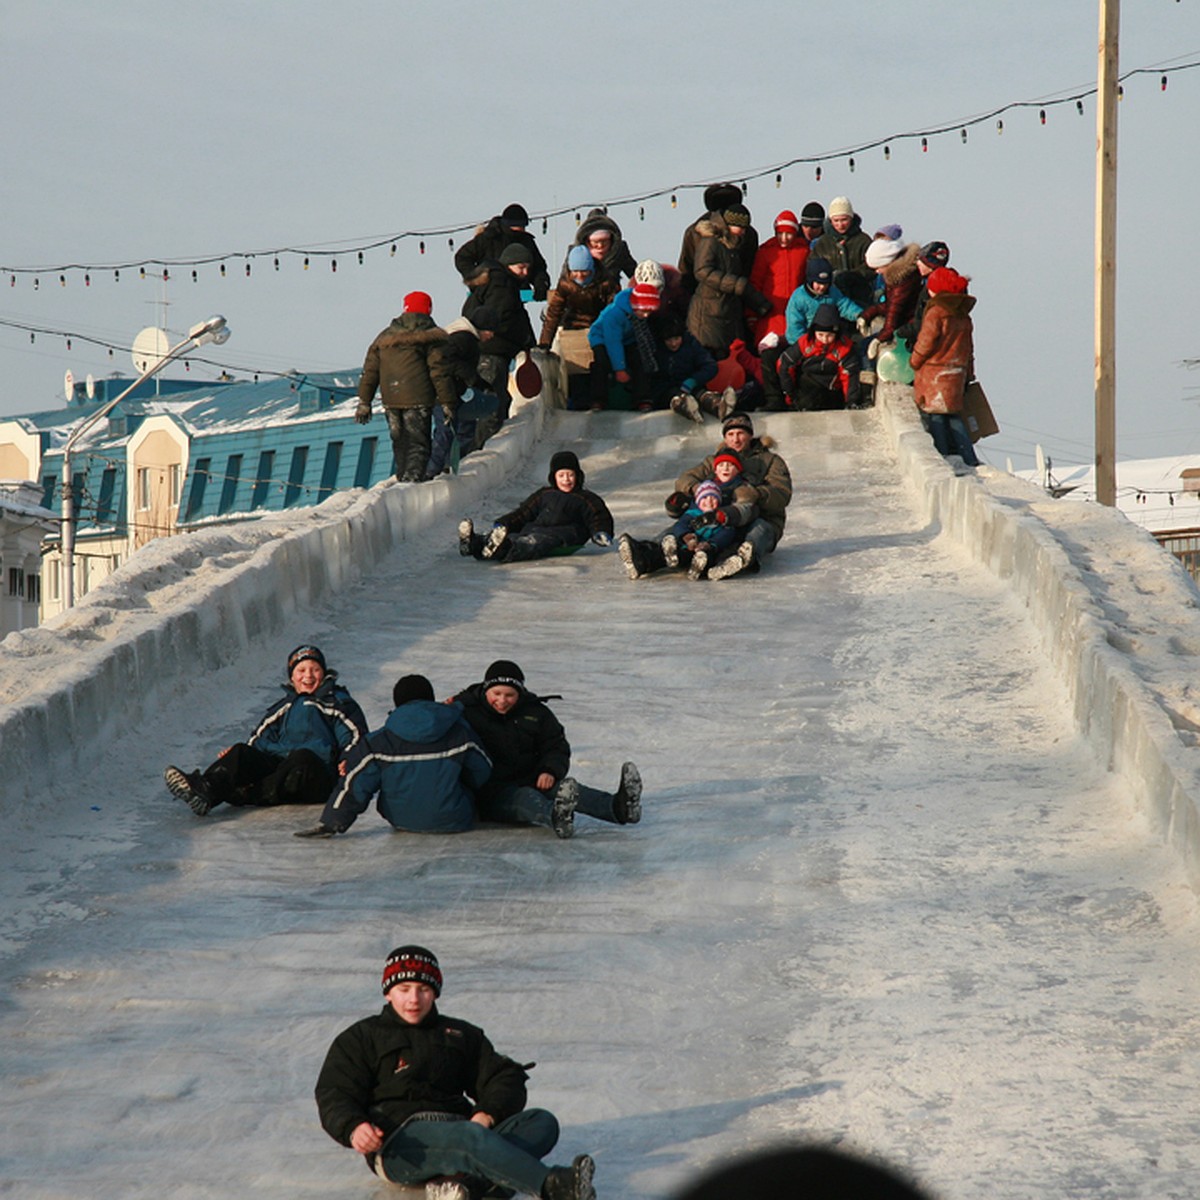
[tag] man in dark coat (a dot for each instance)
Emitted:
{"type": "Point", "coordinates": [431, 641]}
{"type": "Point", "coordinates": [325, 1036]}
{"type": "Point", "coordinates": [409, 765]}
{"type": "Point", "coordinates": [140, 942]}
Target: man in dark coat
{"type": "Point", "coordinates": [717, 198]}
{"type": "Point", "coordinates": [490, 241]}
{"type": "Point", "coordinates": [407, 364]}
{"type": "Point", "coordinates": [716, 315]}
{"type": "Point", "coordinates": [426, 1098]}
{"type": "Point", "coordinates": [844, 245]}
{"type": "Point", "coordinates": [531, 756]}
{"type": "Point", "coordinates": [557, 519]}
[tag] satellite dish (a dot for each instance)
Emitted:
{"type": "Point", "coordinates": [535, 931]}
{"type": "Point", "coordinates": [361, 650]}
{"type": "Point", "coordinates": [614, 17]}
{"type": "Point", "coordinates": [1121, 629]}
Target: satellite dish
{"type": "Point", "coordinates": [1040, 458]}
{"type": "Point", "coordinates": [90, 386]}
{"type": "Point", "coordinates": [149, 348]}
{"type": "Point", "coordinates": [69, 385]}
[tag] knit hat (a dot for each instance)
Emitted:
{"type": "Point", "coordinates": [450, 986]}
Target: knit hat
{"type": "Point", "coordinates": [881, 252]}
{"type": "Point", "coordinates": [649, 271]}
{"type": "Point", "coordinates": [812, 214]}
{"type": "Point", "coordinates": [840, 206]}
{"type": "Point", "coordinates": [935, 254]}
{"type": "Point", "coordinates": [738, 420]}
{"type": "Point", "coordinates": [646, 298]}
{"type": "Point", "coordinates": [565, 460]}
{"type": "Point", "coordinates": [412, 964]}
{"type": "Point", "coordinates": [825, 318]}
{"type": "Point", "coordinates": [707, 487]}
{"type": "Point", "coordinates": [737, 214]}
{"type": "Point", "coordinates": [411, 687]}
{"type": "Point", "coordinates": [818, 270]}
{"type": "Point", "coordinates": [579, 258]}
{"type": "Point", "coordinates": [504, 673]}
{"type": "Point", "coordinates": [729, 456]}
{"type": "Point", "coordinates": [304, 654]}
{"type": "Point", "coordinates": [893, 233]}
{"type": "Point", "coordinates": [787, 220]}
{"type": "Point", "coordinates": [418, 302]}
{"type": "Point", "coordinates": [515, 252]}
{"type": "Point", "coordinates": [515, 214]}
{"type": "Point", "coordinates": [947, 279]}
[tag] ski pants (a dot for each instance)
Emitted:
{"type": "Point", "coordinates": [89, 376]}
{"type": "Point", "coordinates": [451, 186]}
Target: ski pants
{"type": "Point", "coordinates": [507, 1156]}
{"type": "Point", "coordinates": [410, 430]}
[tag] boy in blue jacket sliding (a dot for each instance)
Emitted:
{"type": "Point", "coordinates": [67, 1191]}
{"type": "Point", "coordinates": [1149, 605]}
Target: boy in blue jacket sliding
{"type": "Point", "coordinates": [424, 765]}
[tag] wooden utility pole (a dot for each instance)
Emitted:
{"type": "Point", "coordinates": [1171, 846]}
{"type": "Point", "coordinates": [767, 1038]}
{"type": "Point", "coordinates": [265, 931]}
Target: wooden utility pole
{"type": "Point", "coordinates": [1106, 254]}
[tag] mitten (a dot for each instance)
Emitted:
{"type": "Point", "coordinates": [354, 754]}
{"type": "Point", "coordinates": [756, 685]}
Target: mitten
{"type": "Point", "coordinates": [362, 414]}
{"type": "Point", "coordinates": [600, 538]}
{"type": "Point", "coordinates": [677, 503]}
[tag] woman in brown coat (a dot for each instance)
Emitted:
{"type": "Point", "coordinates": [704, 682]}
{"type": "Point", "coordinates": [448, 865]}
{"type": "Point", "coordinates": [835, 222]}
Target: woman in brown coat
{"type": "Point", "coordinates": [943, 359]}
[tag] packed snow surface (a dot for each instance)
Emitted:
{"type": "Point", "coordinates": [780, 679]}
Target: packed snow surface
{"type": "Point", "coordinates": [883, 894]}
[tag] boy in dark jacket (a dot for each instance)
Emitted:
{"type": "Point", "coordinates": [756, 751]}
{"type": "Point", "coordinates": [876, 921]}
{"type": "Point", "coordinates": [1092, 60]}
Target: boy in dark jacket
{"type": "Point", "coordinates": [423, 765]}
{"type": "Point", "coordinates": [293, 754]}
{"type": "Point", "coordinates": [427, 1099]}
{"type": "Point", "coordinates": [821, 370]}
{"type": "Point", "coordinates": [530, 757]}
{"type": "Point", "coordinates": [556, 519]}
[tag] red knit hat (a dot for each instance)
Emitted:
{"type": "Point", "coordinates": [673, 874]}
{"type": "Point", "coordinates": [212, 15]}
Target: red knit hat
{"type": "Point", "coordinates": [646, 298]}
{"type": "Point", "coordinates": [947, 279]}
{"type": "Point", "coordinates": [413, 963]}
{"type": "Point", "coordinates": [418, 302]}
{"type": "Point", "coordinates": [787, 220]}
{"type": "Point", "coordinates": [730, 457]}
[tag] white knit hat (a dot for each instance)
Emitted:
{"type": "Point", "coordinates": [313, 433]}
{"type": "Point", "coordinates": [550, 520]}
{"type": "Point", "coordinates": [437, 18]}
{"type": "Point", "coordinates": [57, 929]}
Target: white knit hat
{"type": "Point", "coordinates": [649, 271]}
{"type": "Point", "coordinates": [881, 252]}
{"type": "Point", "coordinates": [840, 206]}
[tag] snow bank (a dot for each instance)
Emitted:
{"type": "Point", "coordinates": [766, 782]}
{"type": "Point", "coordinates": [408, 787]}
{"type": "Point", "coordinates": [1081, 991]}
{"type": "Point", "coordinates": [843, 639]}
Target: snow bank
{"type": "Point", "coordinates": [200, 599]}
{"type": "Point", "coordinates": [1116, 612]}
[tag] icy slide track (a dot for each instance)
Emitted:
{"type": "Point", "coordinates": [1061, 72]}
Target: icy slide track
{"type": "Point", "coordinates": [886, 892]}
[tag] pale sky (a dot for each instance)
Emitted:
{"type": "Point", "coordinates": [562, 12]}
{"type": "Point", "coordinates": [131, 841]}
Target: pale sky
{"type": "Point", "coordinates": [138, 131]}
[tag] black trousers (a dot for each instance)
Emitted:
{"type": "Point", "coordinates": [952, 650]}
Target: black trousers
{"type": "Point", "coordinates": [246, 776]}
{"type": "Point", "coordinates": [411, 430]}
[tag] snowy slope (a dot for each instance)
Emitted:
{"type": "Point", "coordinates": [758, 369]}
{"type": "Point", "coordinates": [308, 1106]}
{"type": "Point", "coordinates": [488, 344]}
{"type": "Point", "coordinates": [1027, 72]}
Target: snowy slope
{"type": "Point", "coordinates": [883, 894]}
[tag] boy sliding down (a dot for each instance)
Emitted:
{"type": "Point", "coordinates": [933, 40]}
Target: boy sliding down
{"type": "Point", "coordinates": [427, 1099]}
{"type": "Point", "coordinates": [711, 526]}
{"type": "Point", "coordinates": [557, 519]}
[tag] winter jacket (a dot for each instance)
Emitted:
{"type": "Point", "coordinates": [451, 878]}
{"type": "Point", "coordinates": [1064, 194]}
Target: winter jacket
{"type": "Point", "coordinates": [576, 305]}
{"type": "Point", "coordinates": [488, 244]}
{"type": "Point", "coordinates": [803, 305]}
{"type": "Point", "coordinates": [462, 357]}
{"type": "Point", "coordinates": [689, 368]}
{"type": "Point", "coordinates": [406, 362]}
{"type": "Point", "coordinates": [384, 1070]}
{"type": "Point", "coordinates": [833, 367]}
{"type": "Point", "coordinates": [943, 356]}
{"type": "Point", "coordinates": [763, 470]}
{"type": "Point", "coordinates": [500, 292]}
{"type": "Point", "coordinates": [613, 329]}
{"type": "Point", "coordinates": [737, 510]}
{"type": "Point", "coordinates": [777, 273]}
{"type": "Point", "coordinates": [424, 764]}
{"type": "Point", "coordinates": [573, 516]}
{"type": "Point", "coordinates": [328, 722]}
{"type": "Point", "coordinates": [618, 261]}
{"type": "Point", "coordinates": [847, 254]}
{"type": "Point", "coordinates": [523, 743]}
{"type": "Point", "coordinates": [901, 288]}
{"type": "Point", "coordinates": [722, 273]}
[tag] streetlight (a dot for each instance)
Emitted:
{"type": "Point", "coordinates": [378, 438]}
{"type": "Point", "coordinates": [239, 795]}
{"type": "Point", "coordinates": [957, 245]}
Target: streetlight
{"type": "Point", "coordinates": [213, 331]}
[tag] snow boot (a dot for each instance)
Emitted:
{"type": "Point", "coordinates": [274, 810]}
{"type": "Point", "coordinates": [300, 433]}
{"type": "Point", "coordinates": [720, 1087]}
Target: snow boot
{"type": "Point", "coordinates": [632, 556]}
{"type": "Point", "coordinates": [670, 549]}
{"type": "Point", "coordinates": [562, 815]}
{"type": "Point", "coordinates": [191, 789]}
{"type": "Point", "coordinates": [470, 544]}
{"type": "Point", "coordinates": [447, 1187]}
{"type": "Point", "coordinates": [571, 1183]}
{"type": "Point", "coordinates": [494, 541]}
{"type": "Point", "coordinates": [699, 563]}
{"type": "Point", "coordinates": [726, 404]}
{"type": "Point", "coordinates": [737, 562]}
{"type": "Point", "coordinates": [686, 405]}
{"type": "Point", "coordinates": [627, 803]}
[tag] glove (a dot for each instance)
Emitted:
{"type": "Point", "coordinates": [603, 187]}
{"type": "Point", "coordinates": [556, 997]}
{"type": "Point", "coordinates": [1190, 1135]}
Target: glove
{"type": "Point", "coordinates": [677, 503]}
{"type": "Point", "coordinates": [362, 414]}
{"type": "Point", "coordinates": [769, 342]}
{"type": "Point", "coordinates": [601, 538]}
{"type": "Point", "coordinates": [718, 516]}
{"type": "Point", "coordinates": [862, 326]}
{"type": "Point", "coordinates": [873, 349]}
{"type": "Point", "coordinates": [758, 302]}
{"type": "Point", "coordinates": [621, 376]}
{"type": "Point", "coordinates": [318, 831]}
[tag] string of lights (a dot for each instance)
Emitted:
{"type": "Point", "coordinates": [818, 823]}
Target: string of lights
{"type": "Point", "coordinates": [333, 252]}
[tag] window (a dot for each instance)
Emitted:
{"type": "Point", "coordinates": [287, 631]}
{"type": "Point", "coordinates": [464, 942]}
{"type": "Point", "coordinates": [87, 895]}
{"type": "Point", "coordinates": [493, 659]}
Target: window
{"type": "Point", "coordinates": [55, 579]}
{"type": "Point", "coordinates": [49, 483]}
{"type": "Point", "coordinates": [233, 473]}
{"type": "Point", "coordinates": [295, 484]}
{"type": "Point", "coordinates": [329, 473]}
{"type": "Point", "coordinates": [262, 480]}
{"type": "Point", "coordinates": [143, 488]}
{"type": "Point", "coordinates": [33, 589]}
{"type": "Point", "coordinates": [366, 462]}
{"type": "Point", "coordinates": [175, 476]}
{"type": "Point", "coordinates": [16, 581]}
{"type": "Point", "coordinates": [104, 505]}
{"type": "Point", "coordinates": [199, 486]}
